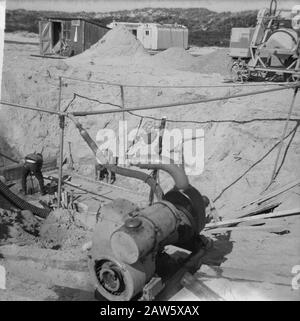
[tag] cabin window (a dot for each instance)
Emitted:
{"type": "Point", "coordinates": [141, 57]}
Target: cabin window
{"type": "Point", "coordinates": [67, 30]}
{"type": "Point", "coordinates": [147, 32]}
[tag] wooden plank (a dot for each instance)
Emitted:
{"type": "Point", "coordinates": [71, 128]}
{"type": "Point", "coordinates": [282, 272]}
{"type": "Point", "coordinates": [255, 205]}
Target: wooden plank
{"type": "Point", "coordinates": [281, 190]}
{"type": "Point", "coordinates": [260, 208]}
{"type": "Point", "coordinates": [237, 274]}
{"type": "Point", "coordinates": [184, 295]}
{"type": "Point", "coordinates": [266, 228]}
{"type": "Point", "coordinates": [295, 211]}
{"type": "Point", "coordinates": [173, 284]}
{"type": "Point", "coordinates": [48, 56]}
{"type": "Point", "coordinates": [198, 288]}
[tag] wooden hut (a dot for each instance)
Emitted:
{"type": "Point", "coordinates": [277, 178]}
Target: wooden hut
{"type": "Point", "coordinates": [68, 36]}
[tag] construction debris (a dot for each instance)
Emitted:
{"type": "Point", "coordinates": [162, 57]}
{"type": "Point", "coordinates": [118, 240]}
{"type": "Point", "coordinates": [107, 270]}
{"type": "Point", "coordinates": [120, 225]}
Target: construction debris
{"type": "Point", "coordinates": [295, 211]}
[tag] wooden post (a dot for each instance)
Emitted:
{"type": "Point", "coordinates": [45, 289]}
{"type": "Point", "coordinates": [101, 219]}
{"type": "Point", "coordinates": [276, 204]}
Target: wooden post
{"type": "Point", "coordinates": [123, 119]}
{"type": "Point", "coordinates": [71, 163]}
{"type": "Point", "coordinates": [61, 153]}
{"type": "Point", "coordinates": [61, 146]}
{"type": "Point", "coordinates": [155, 172]}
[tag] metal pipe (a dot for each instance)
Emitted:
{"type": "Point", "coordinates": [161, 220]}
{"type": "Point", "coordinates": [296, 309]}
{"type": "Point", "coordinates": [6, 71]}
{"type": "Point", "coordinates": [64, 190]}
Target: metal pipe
{"type": "Point", "coordinates": [50, 178]}
{"type": "Point", "coordinates": [173, 86]}
{"type": "Point", "coordinates": [119, 170]}
{"type": "Point", "coordinates": [177, 173]}
{"type": "Point", "coordinates": [184, 103]}
{"type": "Point", "coordinates": [44, 110]}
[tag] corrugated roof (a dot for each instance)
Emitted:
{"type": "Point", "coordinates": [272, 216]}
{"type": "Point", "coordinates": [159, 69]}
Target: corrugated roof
{"type": "Point", "coordinates": [150, 24]}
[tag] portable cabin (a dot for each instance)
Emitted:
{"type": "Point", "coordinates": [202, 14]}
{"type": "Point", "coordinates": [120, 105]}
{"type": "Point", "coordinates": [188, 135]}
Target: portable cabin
{"type": "Point", "coordinates": [157, 36]}
{"type": "Point", "coordinates": [68, 36]}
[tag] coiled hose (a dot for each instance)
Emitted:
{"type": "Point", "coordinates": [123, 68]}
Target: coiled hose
{"type": "Point", "coordinates": [20, 203]}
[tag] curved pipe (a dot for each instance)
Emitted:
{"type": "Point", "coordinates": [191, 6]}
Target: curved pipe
{"type": "Point", "coordinates": [178, 174]}
{"type": "Point", "coordinates": [155, 187]}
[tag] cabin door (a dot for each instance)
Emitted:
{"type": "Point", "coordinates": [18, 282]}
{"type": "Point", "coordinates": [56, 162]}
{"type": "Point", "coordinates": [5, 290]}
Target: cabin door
{"type": "Point", "coordinates": [45, 37]}
{"type": "Point", "coordinates": [147, 38]}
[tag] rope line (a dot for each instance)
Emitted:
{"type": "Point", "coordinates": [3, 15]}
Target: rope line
{"type": "Point", "coordinates": [128, 109]}
{"type": "Point", "coordinates": [185, 121]}
{"type": "Point", "coordinates": [174, 86]}
{"type": "Point", "coordinates": [256, 163]}
{"type": "Point", "coordinates": [183, 103]}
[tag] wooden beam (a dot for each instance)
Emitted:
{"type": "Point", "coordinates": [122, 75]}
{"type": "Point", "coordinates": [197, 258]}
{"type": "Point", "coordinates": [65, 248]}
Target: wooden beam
{"type": "Point", "coordinates": [238, 274]}
{"type": "Point", "coordinates": [281, 190]}
{"type": "Point", "coordinates": [266, 228]}
{"type": "Point", "coordinates": [262, 208]}
{"type": "Point", "coordinates": [295, 211]}
{"type": "Point", "coordinates": [198, 288]}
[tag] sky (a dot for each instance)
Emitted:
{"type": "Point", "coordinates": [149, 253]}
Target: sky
{"type": "Point", "coordinates": [113, 5]}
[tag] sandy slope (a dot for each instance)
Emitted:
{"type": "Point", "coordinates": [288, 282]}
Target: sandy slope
{"type": "Point", "coordinates": [230, 148]}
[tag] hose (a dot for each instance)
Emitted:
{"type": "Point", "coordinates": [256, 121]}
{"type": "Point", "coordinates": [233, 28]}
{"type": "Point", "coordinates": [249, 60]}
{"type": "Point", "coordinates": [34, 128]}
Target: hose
{"type": "Point", "coordinates": [9, 158]}
{"type": "Point", "coordinates": [20, 203]}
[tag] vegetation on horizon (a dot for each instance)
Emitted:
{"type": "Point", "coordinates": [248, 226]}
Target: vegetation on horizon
{"type": "Point", "coordinates": [206, 28]}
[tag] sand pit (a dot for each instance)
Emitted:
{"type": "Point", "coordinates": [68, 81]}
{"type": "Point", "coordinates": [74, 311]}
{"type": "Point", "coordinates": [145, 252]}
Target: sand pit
{"type": "Point", "coordinates": [230, 148]}
{"type": "Point", "coordinates": [120, 58]}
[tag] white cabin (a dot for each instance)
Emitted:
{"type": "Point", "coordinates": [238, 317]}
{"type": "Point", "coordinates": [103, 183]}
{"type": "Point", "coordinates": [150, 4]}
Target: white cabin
{"type": "Point", "coordinates": [155, 36]}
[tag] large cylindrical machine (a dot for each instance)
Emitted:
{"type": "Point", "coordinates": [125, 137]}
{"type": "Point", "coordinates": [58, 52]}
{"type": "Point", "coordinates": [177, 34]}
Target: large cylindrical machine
{"type": "Point", "coordinates": [127, 239]}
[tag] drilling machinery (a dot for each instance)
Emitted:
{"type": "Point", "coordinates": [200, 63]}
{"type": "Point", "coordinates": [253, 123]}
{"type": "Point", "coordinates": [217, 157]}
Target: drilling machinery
{"type": "Point", "coordinates": [128, 240]}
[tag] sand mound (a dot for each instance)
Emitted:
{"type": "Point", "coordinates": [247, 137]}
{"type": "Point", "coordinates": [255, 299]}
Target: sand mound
{"type": "Point", "coordinates": [118, 43]}
{"type": "Point", "coordinates": [216, 62]}
{"type": "Point", "coordinates": [61, 231]}
{"type": "Point", "coordinates": [178, 58]}
{"type": "Point", "coordinates": [174, 57]}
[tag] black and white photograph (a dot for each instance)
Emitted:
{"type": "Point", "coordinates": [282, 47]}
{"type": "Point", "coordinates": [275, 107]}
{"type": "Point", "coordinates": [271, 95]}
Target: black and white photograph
{"type": "Point", "coordinates": [149, 153]}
